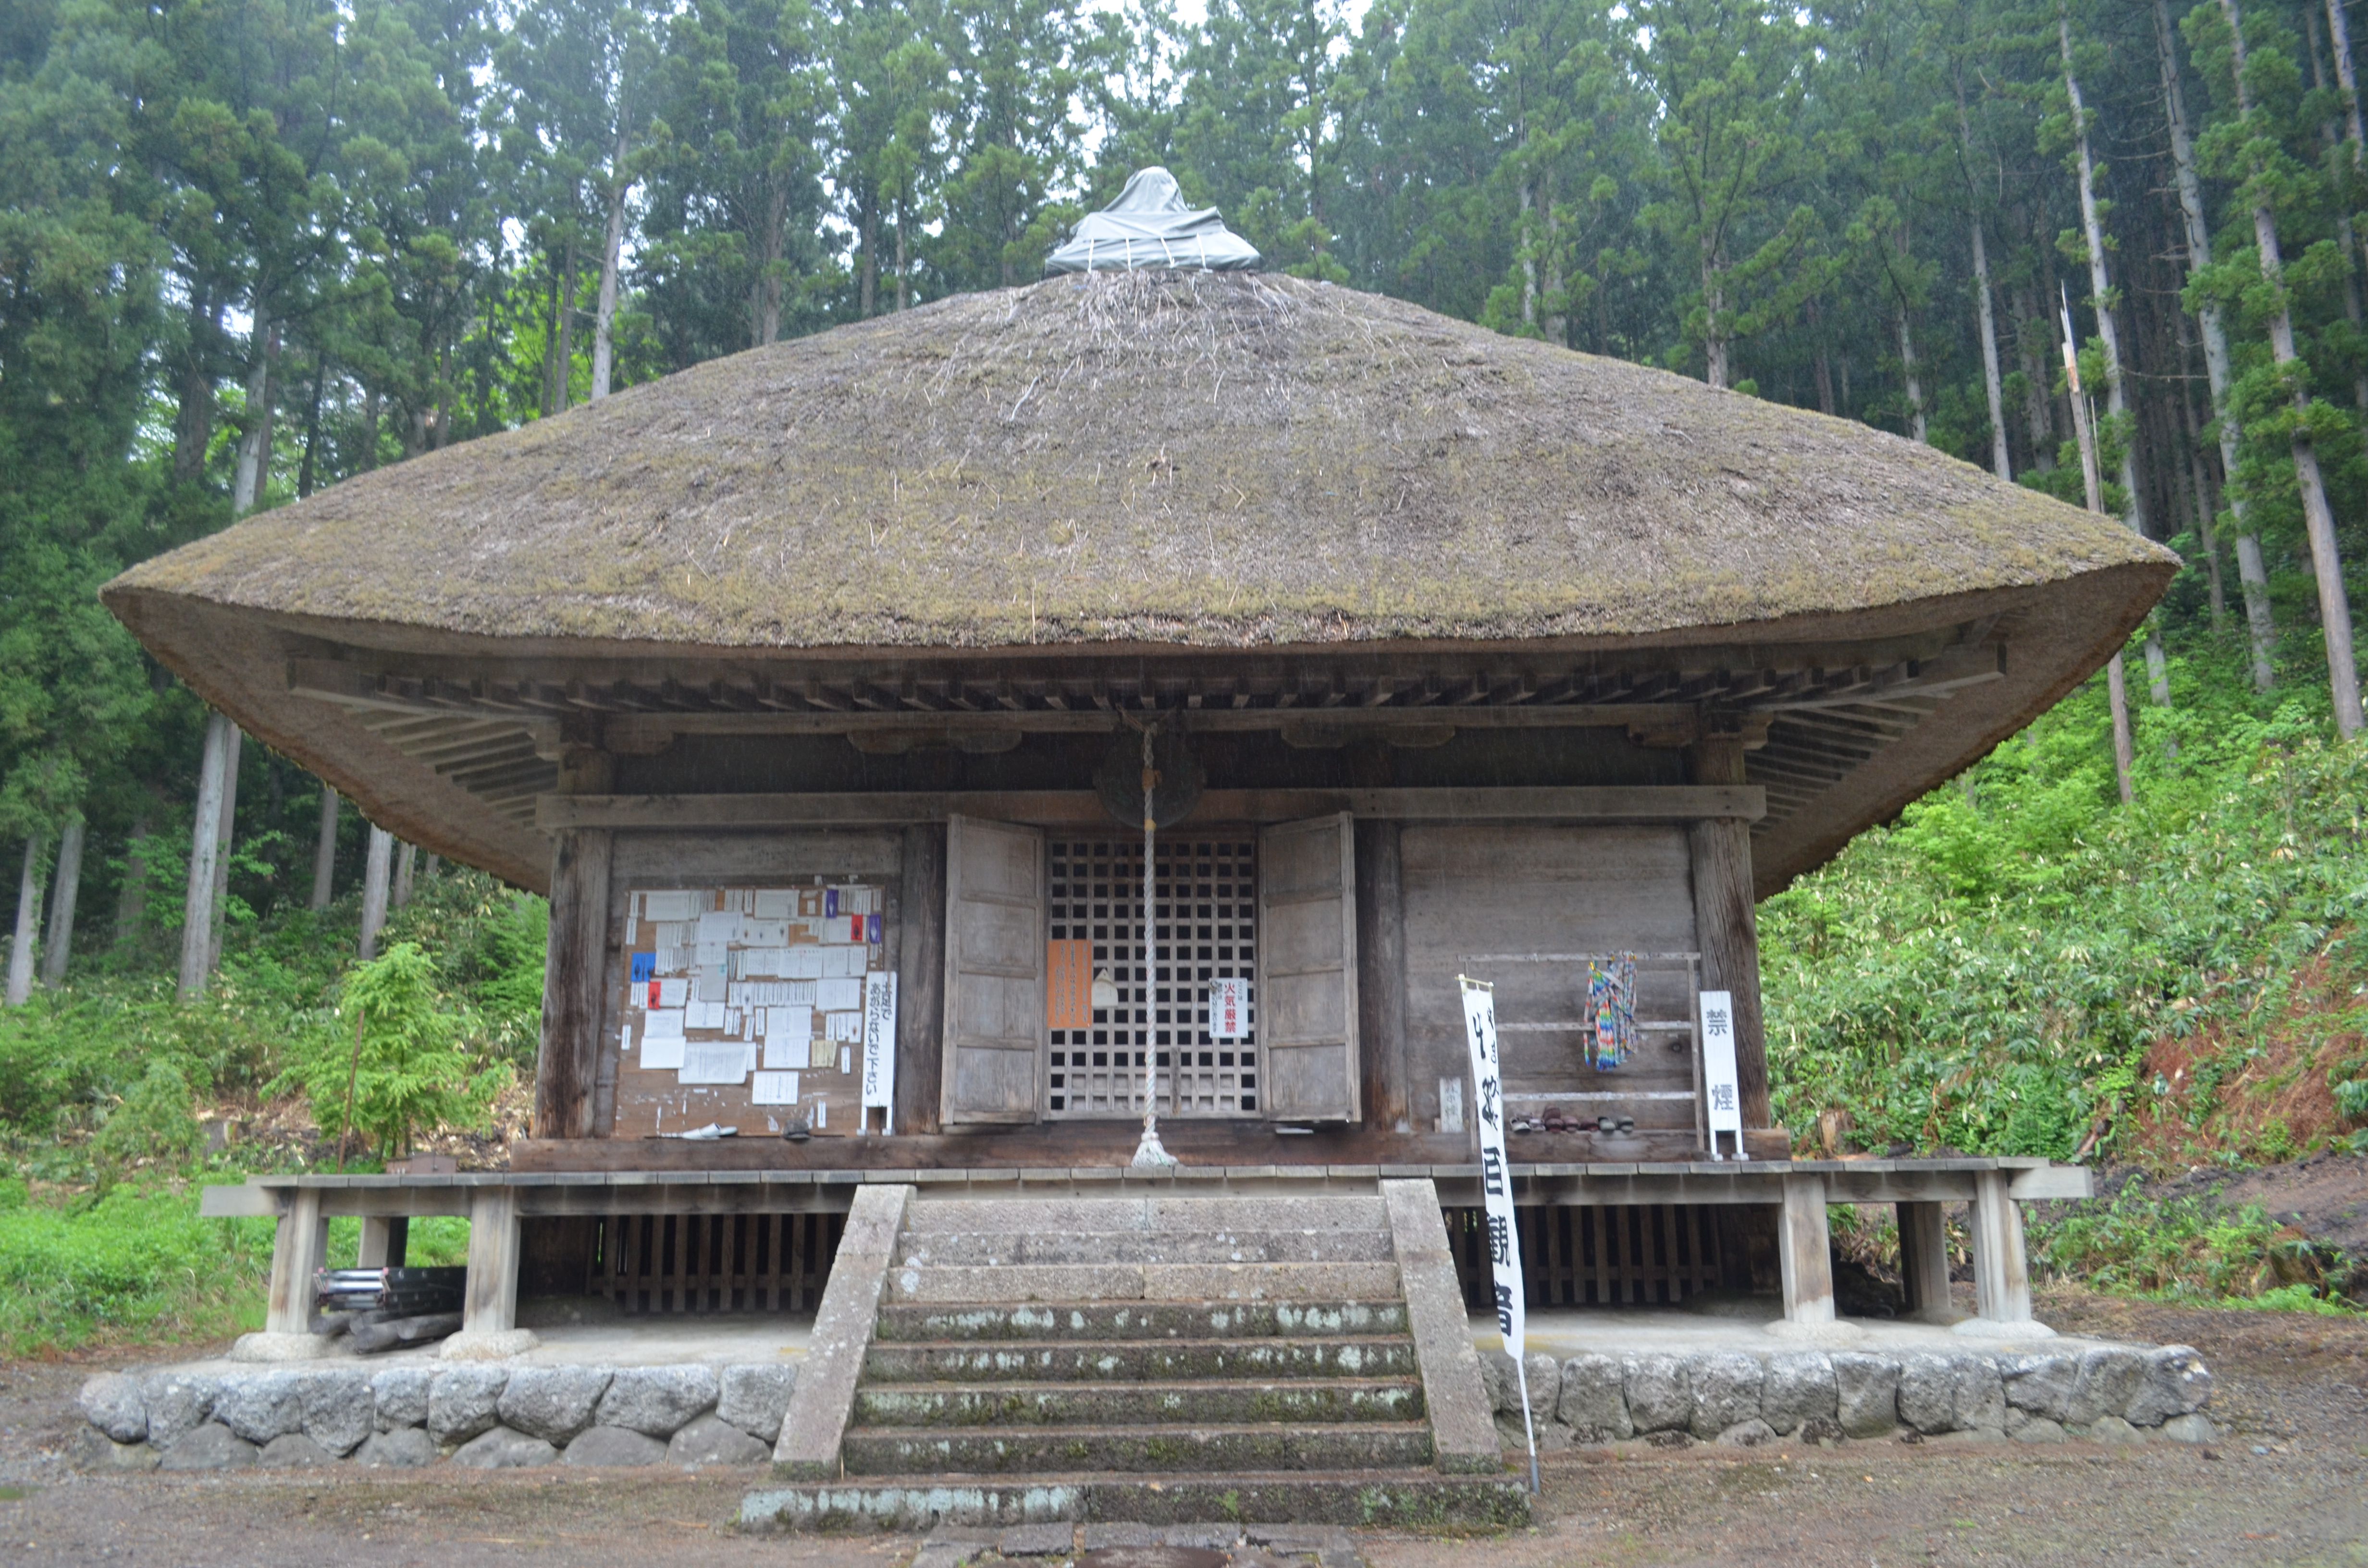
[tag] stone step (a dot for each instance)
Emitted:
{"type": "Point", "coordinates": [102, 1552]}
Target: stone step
{"type": "Point", "coordinates": [1015, 1283]}
{"type": "Point", "coordinates": [973, 1248]}
{"type": "Point", "coordinates": [1199, 1402]}
{"type": "Point", "coordinates": [1147, 1360]}
{"type": "Point", "coordinates": [1190, 1216]}
{"type": "Point", "coordinates": [1416, 1500]}
{"type": "Point", "coordinates": [904, 1451]}
{"type": "Point", "coordinates": [984, 1324]}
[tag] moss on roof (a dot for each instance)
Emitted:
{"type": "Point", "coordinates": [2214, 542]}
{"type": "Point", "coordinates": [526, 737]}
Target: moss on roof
{"type": "Point", "coordinates": [1201, 458]}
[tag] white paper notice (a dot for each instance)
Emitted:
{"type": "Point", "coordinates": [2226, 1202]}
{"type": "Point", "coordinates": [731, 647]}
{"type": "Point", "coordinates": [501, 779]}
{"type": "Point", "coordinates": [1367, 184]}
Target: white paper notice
{"type": "Point", "coordinates": [773, 1088]}
{"type": "Point", "coordinates": [674, 993]}
{"type": "Point", "coordinates": [661, 1054]}
{"type": "Point", "coordinates": [804, 963]}
{"type": "Point", "coordinates": [716, 1062]}
{"type": "Point", "coordinates": [787, 1030]}
{"type": "Point", "coordinates": [879, 1045]}
{"type": "Point", "coordinates": [843, 1028]}
{"type": "Point", "coordinates": [671, 905]}
{"type": "Point", "coordinates": [773, 903]}
{"type": "Point", "coordinates": [719, 925]}
{"type": "Point", "coordinates": [1229, 1008]}
{"type": "Point", "coordinates": [839, 995]}
{"type": "Point", "coordinates": [662, 1024]}
{"type": "Point", "coordinates": [1720, 1093]}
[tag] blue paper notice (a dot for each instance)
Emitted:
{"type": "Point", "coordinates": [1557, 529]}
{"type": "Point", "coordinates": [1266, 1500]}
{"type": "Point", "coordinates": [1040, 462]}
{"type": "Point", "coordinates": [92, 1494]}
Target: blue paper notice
{"type": "Point", "coordinates": [872, 929]}
{"type": "Point", "coordinates": [829, 901]}
{"type": "Point", "coordinates": [646, 968]}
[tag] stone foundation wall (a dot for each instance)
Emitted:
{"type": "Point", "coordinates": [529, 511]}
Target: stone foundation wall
{"type": "Point", "coordinates": [2109, 1394]}
{"type": "Point", "coordinates": [485, 1416]}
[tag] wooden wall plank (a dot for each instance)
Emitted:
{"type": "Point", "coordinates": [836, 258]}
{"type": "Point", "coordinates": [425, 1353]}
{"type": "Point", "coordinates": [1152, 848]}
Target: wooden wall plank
{"type": "Point", "coordinates": [573, 979]}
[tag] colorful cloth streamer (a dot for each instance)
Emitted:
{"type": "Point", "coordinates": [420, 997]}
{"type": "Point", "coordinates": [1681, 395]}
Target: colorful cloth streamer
{"type": "Point", "coordinates": [1611, 1009]}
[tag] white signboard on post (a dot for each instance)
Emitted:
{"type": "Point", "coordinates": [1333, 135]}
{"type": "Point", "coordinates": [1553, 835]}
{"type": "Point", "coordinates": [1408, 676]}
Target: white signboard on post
{"type": "Point", "coordinates": [1722, 1093]}
{"type": "Point", "coordinates": [879, 1048]}
{"type": "Point", "coordinates": [1497, 1190]}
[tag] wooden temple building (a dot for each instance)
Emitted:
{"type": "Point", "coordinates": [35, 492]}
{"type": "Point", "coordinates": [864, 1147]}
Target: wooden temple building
{"type": "Point", "coordinates": [809, 685]}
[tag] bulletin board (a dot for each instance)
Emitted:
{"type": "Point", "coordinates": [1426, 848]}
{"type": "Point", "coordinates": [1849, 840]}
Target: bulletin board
{"type": "Point", "coordinates": [749, 1007]}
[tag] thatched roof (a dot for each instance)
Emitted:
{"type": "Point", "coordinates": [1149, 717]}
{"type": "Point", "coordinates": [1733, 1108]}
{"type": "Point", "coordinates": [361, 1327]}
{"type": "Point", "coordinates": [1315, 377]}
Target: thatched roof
{"type": "Point", "coordinates": [1179, 459]}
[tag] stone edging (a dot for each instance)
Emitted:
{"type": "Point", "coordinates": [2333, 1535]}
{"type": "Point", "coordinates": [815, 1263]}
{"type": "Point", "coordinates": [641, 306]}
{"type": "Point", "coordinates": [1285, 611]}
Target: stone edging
{"type": "Point", "coordinates": [2108, 1394]}
{"type": "Point", "coordinates": [488, 1417]}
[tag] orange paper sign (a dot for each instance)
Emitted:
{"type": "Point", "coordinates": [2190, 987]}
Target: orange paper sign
{"type": "Point", "coordinates": [1068, 985]}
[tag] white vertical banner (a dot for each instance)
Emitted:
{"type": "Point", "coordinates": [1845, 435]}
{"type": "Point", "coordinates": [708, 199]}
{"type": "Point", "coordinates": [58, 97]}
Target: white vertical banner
{"type": "Point", "coordinates": [879, 1046]}
{"type": "Point", "coordinates": [1496, 1190]}
{"type": "Point", "coordinates": [1229, 1007]}
{"type": "Point", "coordinates": [1722, 1093]}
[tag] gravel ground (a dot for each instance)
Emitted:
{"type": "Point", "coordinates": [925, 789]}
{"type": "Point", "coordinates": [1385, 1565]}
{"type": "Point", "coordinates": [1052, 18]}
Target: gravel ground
{"type": "Point", "coordinates": [2285, 1486]}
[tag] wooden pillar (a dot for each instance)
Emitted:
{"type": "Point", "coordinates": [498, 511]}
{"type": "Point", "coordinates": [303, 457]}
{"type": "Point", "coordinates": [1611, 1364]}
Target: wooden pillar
{"type": "Point", "coordinates": [574, 974]}
{"type": "Point", "coordinates": [384, 1241]}
{"type": "Point", "coordinates": [1924, 1261]}
{"type": "Point", "coordinates": [296, 1254]}
{"type": "Point", "coordinates": [2001, 1273]}
{"type": "Point", "coordinates": [920, 977]}
{"type": "Point", "coordinates": [1803, 1250]}
{"type": "Point", "coordinates": [1726, 926]}
{"type": "Point", "coordinates": [489, 1302]}
{"type": "Point", "coordinates": [1389, 1089]}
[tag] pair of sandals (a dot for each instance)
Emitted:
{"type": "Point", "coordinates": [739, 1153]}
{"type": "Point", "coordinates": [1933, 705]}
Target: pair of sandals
{"type": "Point", "coordinates": [1555, 1121]}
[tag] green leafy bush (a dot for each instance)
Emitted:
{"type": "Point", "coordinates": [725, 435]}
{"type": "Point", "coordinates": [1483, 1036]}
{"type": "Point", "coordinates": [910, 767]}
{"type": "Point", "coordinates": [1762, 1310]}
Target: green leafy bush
{"type": "Point", "coordinates": [132, 1263]}
{"type": "Point", "coordinates": [399, 1056]}
{"type": "Point", "coordinates": [156, 1121]}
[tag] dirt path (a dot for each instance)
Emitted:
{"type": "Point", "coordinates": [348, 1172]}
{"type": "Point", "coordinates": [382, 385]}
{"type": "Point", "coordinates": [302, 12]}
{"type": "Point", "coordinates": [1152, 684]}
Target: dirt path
{"type": "Point", "coordinates": [2289, 1485]}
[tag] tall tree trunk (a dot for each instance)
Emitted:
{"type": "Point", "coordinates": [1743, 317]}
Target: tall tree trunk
{"type": "Point", "coordinates": [406, 857]}
{"type": "Point", "coordinates": [567, 330]}
{"type": "Point", "coordinates": [2345, 237]}
{"type": "Point", "coordinates": [28, 922]}
{"type": "Point", "coordinates": [193, 423]}
{"type": "Point", "coordinates": [2033, 343]}
{"type": "Point", "coordinates": [2101, 286]}
{"type": "Point", "coordinates": [1715, 366]}
{"type": "Point", "coordinates": [2117, 406]}
{"type": "Point", "coordinates": [224, 838]}
{"type": "Point", "coordinates": [310, 469]}
{"type": "Point", "coordinates": [1825, 360]}
{"type": "Point", "coordinates": [1529, 260]}
{"type": "Point", "coordinates": [2319, 519]}
{"type": "Point", "coordinates": [604, 320]}
{"type": "Point", "coordinates": [131, 893]}
{"type": "Point", "coordinates": [2207, 508]}
{"type": "Point", "coordinates": [1554, 324]}
{"type": "Point", "coordinates": [370, 429]}
{"type": "Point", "coordinates": [205, 847]}
{"type": "Point", "coordinates": [1993, 384]}
{"type": "Point", "coordinates": [867, 284]}
{"type": "Point", "coordinates": [66, 889]}
{"type": "Point", "coordinates": [904, 257]}
{"type": "Point", "coordinates": [552, 394]}
{"type": "Point", "coordinates": [767, 324]}
{"type": "Point", "coordinates": [254, 446]}
{"type": "Point", "coordinates": [325, 851]}
{"type": "Point", "coordinates": [2117, 696]}
{"type": "Point", "coordinates": [2252, 575]}
{"type": "Point", "coordinates": [1915, 387]}
{"type": "Point", "coordinates": [375, 875]}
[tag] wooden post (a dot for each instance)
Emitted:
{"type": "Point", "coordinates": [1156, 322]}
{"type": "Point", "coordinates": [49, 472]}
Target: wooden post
{"type": "Point", "coordinates": [1803, 1250]}
{"type": "Point", "coordinates": [384, 1241]}
{"type": "Point", "coordinates": [490, 1303]}
{"type": "Point", "coordinates": [2001, 1274]}
{"type": "Point", "coordinates": [573, 977]}
{"type": "Point", "coordinates": [296, 1254]}
{"type": "Point", "coordinates": [1380, 985]}
{"type": "Point", "coordinates": [1726, 925]}
{"type": "Point", "coordinates": [920, 977]}
{"type": "Point", "coordinates": [1924, 1261]}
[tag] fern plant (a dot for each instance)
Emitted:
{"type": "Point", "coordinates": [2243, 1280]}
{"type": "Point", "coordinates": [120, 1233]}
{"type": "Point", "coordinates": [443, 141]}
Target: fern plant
{"type": "Point", "coordinates": [400, 1057]}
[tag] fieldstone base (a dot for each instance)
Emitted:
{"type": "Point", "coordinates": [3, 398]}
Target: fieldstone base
{"type": "Point", "coordinates": [473, 1414]}
{"type": "Point", "coordinates": [2113, 1393]}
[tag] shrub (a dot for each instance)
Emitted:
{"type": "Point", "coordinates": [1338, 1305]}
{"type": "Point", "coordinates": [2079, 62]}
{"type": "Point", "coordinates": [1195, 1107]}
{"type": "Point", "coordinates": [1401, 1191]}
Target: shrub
{"type": "Point", "coordinates": [399, 1055]}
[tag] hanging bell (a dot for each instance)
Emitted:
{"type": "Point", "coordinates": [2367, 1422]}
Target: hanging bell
{"type": "Point", "coordinates": [1177, 778]}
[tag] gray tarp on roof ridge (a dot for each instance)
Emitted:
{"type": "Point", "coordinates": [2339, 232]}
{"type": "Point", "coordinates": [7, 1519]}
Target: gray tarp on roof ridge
{"type": "Point", "coordinates": [1149, 225]}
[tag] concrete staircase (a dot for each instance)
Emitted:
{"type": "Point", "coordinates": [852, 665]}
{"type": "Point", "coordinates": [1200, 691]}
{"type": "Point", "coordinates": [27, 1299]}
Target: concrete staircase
{"type": "Point", "coordinates": [1157, 1360]}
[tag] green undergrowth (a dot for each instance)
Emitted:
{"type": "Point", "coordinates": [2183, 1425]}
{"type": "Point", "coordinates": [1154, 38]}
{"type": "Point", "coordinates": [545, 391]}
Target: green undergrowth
{"type": "Point", "coordinates": [1998, 972]}
{"type": "Point", "coordinates": [125, 1266]}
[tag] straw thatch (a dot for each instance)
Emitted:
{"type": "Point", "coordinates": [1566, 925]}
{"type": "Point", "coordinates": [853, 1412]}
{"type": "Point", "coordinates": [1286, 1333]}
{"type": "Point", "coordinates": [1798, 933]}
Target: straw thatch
{"type": "Point", "coordinates": [1198, 459]}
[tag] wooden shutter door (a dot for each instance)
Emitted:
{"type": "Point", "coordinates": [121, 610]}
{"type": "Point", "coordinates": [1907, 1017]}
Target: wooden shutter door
{"type": "Point", "coordinates": [995, 972]}
{"type": "Point", "coordinates": [1307, 969]}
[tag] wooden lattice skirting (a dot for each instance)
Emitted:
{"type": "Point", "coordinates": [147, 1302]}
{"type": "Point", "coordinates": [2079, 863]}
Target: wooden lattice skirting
{"type": "Point", "coordinates": [1597, 1254]}
{"type": "Point", "coordinates": [715, 1263]}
